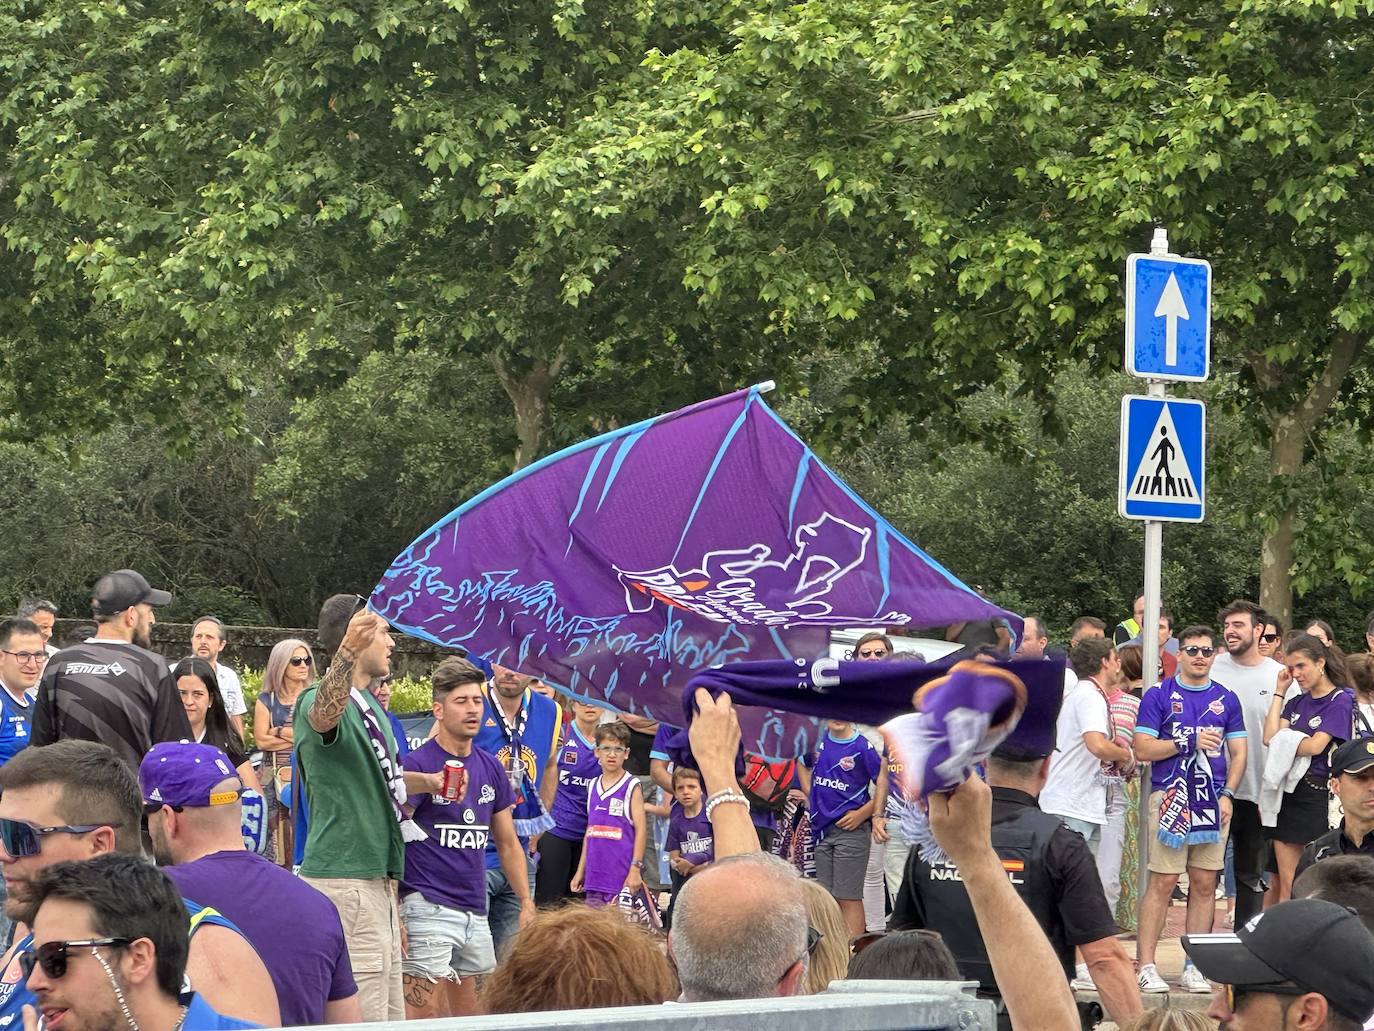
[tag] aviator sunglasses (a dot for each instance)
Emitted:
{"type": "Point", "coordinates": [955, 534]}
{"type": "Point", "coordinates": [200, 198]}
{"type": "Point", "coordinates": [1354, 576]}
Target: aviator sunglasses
{"type": "Point", "coordinates": [53, 957]}
{"type": "Point", "coordinates": [1199, 649]}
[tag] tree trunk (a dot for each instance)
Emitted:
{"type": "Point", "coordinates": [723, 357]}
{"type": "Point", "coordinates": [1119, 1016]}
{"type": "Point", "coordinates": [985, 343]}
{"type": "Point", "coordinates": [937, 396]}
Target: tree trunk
{"type": "Point", "coordinates": [529, 391]}
{"type": "Point", "coordinates": [1287, 443]}
{"type": "Point", "coordinates": [1276, 550]}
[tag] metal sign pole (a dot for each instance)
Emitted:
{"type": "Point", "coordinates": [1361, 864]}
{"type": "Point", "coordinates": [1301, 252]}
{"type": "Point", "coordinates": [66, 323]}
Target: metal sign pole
{"type": "Point", "coordinates": [1149, 652]}
{"type": "Point", "coordinates": [1149, 643]}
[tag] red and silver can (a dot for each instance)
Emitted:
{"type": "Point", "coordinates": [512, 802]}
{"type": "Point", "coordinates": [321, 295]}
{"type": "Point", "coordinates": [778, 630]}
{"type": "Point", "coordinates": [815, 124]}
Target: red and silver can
{"type": "Point", "coordinates": [455, 780]}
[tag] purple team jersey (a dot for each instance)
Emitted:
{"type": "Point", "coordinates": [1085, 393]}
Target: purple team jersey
{"type": "Point", "coordinates": [294, 928]}
{"type": "Point", "coordinates": [1176, 711]}
{"type": "Point", "coordinates": [691, 836]}
{"type": "Point", "coordinates": [1333, 714]}
{"type": "Point", "coordinates": [840, 777]}
{"type": "Point", "coordinates": [610, 841]}
{"type": "Point", "coordinates": [577, 768]}
{"type": "Point", "coordinates": [448, 868]}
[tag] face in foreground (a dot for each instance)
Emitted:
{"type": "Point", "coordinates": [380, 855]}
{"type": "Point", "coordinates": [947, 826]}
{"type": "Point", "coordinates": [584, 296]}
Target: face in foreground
{"type": "Point", "coordinates": [38, 806]}
{"type": "Point", "coordinates": [82, 999]}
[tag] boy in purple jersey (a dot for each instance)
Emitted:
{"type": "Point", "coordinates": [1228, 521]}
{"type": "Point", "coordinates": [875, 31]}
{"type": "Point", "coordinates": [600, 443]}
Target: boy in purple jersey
{"type": "Point", "coordinates": [837, 785]}
{"type": "Point", "coordinates": [561, 848]}
{"type": "Point", "coordinates": [1192, 732]}
{"type": "Point", "coordinates": [444, 890]}
{"type": "Point", "coordinates": [690, 844]}
{"type": "Point", "coordinates": [613, 848]}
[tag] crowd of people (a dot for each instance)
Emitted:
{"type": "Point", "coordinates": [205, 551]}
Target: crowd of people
{"type": "Point", "coordinates": [535, 852]}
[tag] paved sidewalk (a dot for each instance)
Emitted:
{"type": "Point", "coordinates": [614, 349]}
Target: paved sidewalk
{"type": "Point", "coordinates": [1169, 959]}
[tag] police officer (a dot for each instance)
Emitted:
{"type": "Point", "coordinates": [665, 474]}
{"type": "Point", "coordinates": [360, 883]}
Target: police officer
{"type": "Point", "coordinates": [1049, 864]}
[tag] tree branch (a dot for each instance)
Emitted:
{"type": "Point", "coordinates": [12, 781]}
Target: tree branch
{"type": "Point", "coordinates": [1343, 354]}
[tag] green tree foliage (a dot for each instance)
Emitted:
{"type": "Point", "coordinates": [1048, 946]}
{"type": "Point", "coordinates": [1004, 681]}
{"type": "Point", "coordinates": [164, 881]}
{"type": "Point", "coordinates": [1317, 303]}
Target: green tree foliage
{"type": "Point", "coordinates": [191, 185]}
{"type": "Point", "coordinates": [619, 208]}
{"type": "Point", "coordinates": [960, 183]}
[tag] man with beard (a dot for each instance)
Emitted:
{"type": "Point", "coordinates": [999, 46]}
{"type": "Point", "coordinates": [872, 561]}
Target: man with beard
{"type": "Point", "coordinates": [109, 952]}
{"type": "Point", "coordinates": [111, 688]}
{"type": "Point", "coordinates": [207, 641]}
{"type": "Point", "coordinates": [521, 728]}
{"type": "Point", "coordinates": [1242, 668]}
{"type": "Point", "coordinates": [191, 794]}
{"type": "Point", "coordinates": [348, 773]}
{"type": "Point", "coordinates": [74, 801]}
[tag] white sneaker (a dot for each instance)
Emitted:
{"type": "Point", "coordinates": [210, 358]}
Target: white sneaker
{"type": "Point", "coordinates": [1150, 981]}
{"type": "Point", "coordinates": [1082, 981]}
{"type": "Point", "coordinates": [1193, 981]}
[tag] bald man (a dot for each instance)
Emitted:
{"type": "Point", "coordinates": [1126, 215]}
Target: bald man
{"type": "Point", "coordinates": [198, 841]}
{"type": "Point", "coordinates": [740, 931]}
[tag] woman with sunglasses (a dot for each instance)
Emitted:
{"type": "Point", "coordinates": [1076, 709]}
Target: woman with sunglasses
{"type": "Point", "coordinates": [290, 667]}
{"type": "Point", "coordinates": [1324, 714]}
{"type": "Point", "coordinates": [205, 708]}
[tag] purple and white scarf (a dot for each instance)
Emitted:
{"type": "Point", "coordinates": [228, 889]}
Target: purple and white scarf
{"type": "Point", "coordinates": [962, 711]}
{"type": "Point", "coordinates": [389, 768]}
{"type": "Point", "coordinates": [1189, 813]}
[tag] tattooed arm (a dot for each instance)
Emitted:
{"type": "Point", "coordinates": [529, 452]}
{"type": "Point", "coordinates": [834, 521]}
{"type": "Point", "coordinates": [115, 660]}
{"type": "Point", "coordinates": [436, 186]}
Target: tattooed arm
{"type": "Point", "coordinates": [332, 697]}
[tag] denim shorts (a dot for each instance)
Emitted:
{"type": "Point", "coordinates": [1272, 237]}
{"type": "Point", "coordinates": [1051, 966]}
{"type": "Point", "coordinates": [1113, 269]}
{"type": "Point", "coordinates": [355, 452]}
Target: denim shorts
{"type": "Point", "coordinates": [443, 942]}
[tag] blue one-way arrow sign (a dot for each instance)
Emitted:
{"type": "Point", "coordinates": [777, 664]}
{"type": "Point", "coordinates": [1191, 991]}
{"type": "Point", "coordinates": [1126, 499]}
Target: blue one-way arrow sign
{"type": "Point", "coordinates": [1163, 459]}
{"type": "Point", "coordinates": [1168, 317]}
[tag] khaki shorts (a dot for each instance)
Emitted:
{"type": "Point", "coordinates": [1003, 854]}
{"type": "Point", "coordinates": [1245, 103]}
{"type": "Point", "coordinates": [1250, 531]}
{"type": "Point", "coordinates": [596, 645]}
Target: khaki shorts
{"type": "Point", "coordinates": [1164, 859]}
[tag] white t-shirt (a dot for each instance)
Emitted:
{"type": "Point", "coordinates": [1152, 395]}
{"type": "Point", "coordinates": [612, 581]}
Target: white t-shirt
{"type": "Point", "coordinates": [1254, 686]}
{"type": "Point", "coordinates": [230, 689]}
{"type": "Point", "coordinates": [1075, 787]}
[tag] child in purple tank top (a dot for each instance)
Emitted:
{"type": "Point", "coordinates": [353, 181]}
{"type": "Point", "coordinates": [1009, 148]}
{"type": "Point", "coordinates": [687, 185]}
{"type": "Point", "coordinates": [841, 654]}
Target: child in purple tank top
{"type": "Point", "coordinates": [613, 847]}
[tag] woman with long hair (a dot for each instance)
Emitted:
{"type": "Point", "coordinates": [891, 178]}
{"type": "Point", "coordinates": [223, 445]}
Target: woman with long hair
{"type": "Point", "coordinates": [830, 959]}
{"type": "Point", "coordinates": [204, 705]}
{"type": "Point", "coordinates": [288, 673]}
{"type": "Point", "coordinates": [1361, 668]}
{"type": "Point", "coordinates": [1324, 714]}
{"type": "Point", "coordinates": [1123, 706]}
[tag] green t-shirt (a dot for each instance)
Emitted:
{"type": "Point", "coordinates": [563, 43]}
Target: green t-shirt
{"type": "Point", "coordinates": [353, 829]}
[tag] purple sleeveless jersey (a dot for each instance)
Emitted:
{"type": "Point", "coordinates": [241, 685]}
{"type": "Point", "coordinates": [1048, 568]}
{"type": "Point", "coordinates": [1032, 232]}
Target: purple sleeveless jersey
{"type": "Point", "coordinates": [610, 835]}
{"type": "Point", "coordinates": [577, 768]}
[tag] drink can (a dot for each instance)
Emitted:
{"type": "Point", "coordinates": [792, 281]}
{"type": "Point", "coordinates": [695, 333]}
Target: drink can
{"type": "Point", "coordinates": [455, 780]}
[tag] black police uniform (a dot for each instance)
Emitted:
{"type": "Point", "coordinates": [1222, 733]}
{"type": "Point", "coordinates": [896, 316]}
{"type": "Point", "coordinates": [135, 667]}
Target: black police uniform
{"type": "Point", "coordinates": [1051, 868]}
{"type": "Point", "coordinates": [1333, 843]}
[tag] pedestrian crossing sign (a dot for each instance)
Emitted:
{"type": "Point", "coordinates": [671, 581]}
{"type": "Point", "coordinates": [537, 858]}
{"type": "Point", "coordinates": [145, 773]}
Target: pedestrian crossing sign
{"type": "Point", "coordinates": [1163, 457]}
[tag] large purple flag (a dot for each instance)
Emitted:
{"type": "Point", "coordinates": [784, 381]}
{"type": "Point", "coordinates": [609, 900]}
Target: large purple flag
{"type": "Point", "coordinates": [620, 566]}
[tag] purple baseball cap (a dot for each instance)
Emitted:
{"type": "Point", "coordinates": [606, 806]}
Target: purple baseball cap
{"type": "Point", "coordinates": [184, 773]}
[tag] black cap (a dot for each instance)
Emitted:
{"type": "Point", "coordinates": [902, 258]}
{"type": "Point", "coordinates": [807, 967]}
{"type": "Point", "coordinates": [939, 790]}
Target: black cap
{"type": "Point", "coordinates": [1353, 757]}
{"type": "Point", "coordinates": [123, 589]}
{"type": "Point", "coordinates": [1034, 736]}
{"type": "Point", "coordinates": [1317, 945]}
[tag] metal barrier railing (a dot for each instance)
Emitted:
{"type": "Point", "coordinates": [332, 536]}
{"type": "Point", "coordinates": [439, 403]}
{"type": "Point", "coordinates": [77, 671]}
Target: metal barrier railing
{"type": "Point", "coordinates": [846, 1006]}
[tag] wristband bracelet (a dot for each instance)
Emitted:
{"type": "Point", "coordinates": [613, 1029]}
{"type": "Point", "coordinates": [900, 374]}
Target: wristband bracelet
{"type": "Point", "coordinates": [638, 864]}
{"type": "Point", "coordinates": [724, 797]}
{"type": "Point", "coordinates": [1227, 793]}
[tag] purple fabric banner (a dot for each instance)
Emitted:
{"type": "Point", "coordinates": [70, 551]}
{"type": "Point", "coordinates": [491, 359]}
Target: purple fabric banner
{"type": "Point", "coordinates": [620, 566]}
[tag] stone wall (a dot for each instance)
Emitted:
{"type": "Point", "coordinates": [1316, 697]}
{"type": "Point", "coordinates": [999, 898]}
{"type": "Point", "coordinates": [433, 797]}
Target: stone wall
{"type": "Point", "coordinates": [249, 646]}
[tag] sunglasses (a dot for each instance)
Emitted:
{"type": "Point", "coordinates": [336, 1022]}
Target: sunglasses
{"type": "Point", "coordinates": [813, 938]}
{"type": "Point", "coordinates": [1198, 649]}
{"type": "Point", "coordinates": [20, 839]}
{"type": "Point", "coordinates": [301, 660]}
{"type": "Point", "coordinates": [1235, 994]}
{"type": "Point", "coordinates": [876, 654]}
{"type": "Point", "coordinates": [54, 956]}
{"type": "Point", "coordinates": [1271, 638]}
